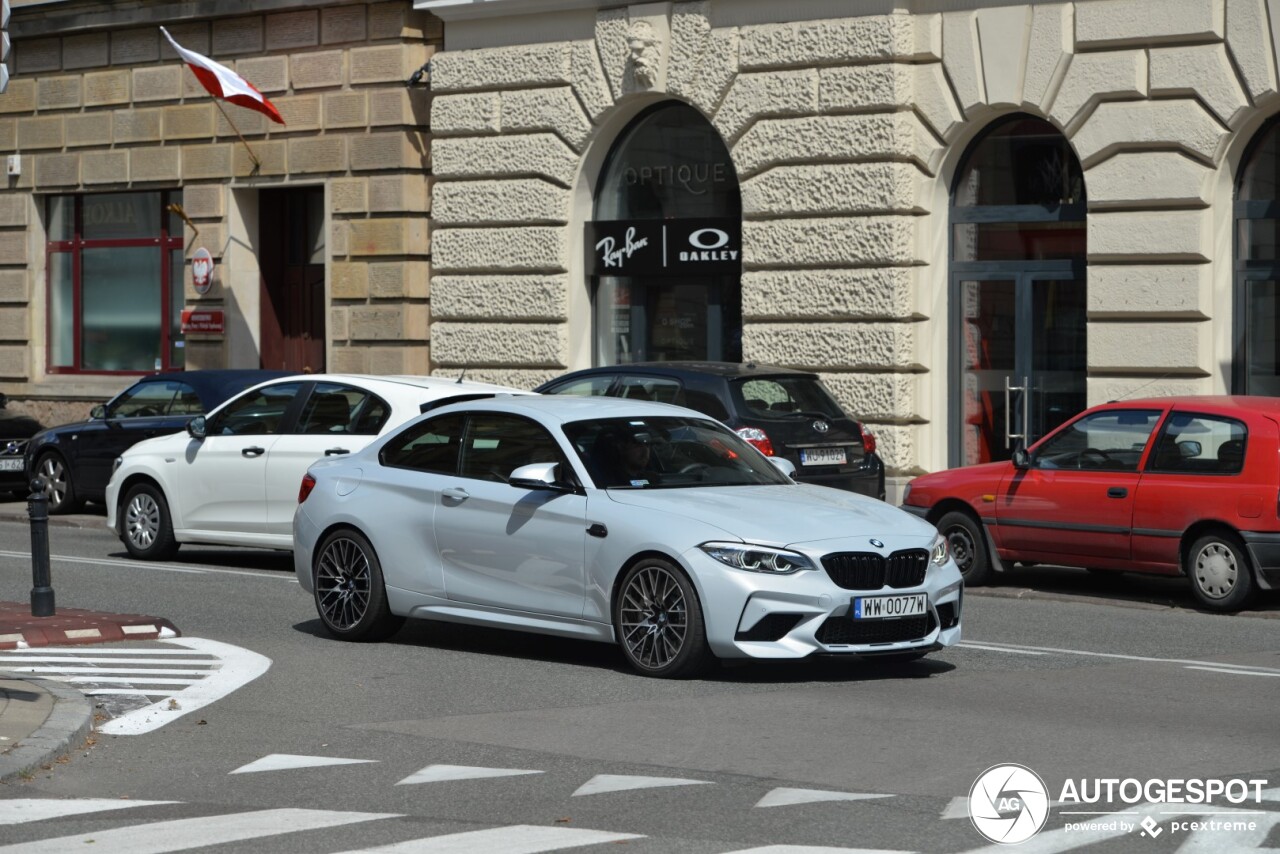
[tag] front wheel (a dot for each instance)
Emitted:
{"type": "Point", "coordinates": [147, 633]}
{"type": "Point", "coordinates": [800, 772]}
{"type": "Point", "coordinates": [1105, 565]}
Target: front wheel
{"type": "Point", "coordinates": [968, 546]}
{"type": "Point", "coordinates": [148, 531]}
{"type": "Point", "coordinates": [659, 621]}
{"type": "Point", "coordinates": [58, 486]}
{"type": "Point", "coordinates": [1221, 577]}
{"type": "Point", "coordinates": [351, 596]}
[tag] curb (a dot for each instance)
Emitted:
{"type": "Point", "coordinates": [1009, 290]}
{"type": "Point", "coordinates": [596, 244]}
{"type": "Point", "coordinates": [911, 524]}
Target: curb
{"type": "Point", "coordinates": [65, 730]}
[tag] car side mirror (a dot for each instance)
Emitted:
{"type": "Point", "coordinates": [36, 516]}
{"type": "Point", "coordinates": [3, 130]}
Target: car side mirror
{"type": "Point", "coordinates": [98, 413]}
{"type": "Point", "coordinates": [1021, 459]}
{"type": "Point", "coordinates": [197, 427]}
{"type": "Point", "coordinates": [783, 465]}
{"type": "Point", "coordinates": [538, 476]}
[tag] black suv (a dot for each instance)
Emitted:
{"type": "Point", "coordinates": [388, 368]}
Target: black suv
{"type": "Point", "coordinates": [782, 412]}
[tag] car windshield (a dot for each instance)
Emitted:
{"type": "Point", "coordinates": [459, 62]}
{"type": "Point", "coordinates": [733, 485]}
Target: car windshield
{"type": "Point", "coordinates": [786, 397]}
{"type": "Point", "coordinates": [666, 453]}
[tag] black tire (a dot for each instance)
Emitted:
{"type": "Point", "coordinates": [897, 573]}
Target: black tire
{"type": "Point", "coordinates": [59, 487]}
{"type": "Point", "coordinates": [1220, 572]}
{"type": "Point", "coordinates": [350, 593]}
{"type": "Point", "coordinates": [145, 527]}
{"type": "Point", "coordinates": [968, 544]}
{"type": "Point", "coordinates": [658, 621]}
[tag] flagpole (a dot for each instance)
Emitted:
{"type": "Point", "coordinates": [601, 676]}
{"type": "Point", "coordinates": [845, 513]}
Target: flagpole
{"type": "Point", "coordinates": [257, 164]}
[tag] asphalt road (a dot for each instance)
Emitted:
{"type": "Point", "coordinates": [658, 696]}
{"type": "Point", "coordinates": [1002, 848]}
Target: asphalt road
{"type": "Point", "coordinates": [1075, 676]}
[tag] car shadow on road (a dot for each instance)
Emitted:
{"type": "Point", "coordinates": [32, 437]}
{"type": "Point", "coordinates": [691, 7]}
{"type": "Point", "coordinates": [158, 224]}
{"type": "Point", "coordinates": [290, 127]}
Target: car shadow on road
{"type": "Point", "coordinates": [510, 644]}
{"type": "Point", "coordinates": [1122, 589]}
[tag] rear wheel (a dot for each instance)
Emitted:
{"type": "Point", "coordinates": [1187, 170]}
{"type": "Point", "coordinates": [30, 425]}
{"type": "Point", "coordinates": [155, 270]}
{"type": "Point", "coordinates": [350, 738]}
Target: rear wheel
{"type": "Point", "coordinates": [350, 594]}
{"type": "Point", "coordinates": [968, 546]}
{"type": "Point", "coordinates": [147, 529]}
{"type": "Point", "coordinates": [659, 621]}
{"type": "Point", "coordinates": [1220, 572]}
{"type": "Point", "coordinates": [59, 488]}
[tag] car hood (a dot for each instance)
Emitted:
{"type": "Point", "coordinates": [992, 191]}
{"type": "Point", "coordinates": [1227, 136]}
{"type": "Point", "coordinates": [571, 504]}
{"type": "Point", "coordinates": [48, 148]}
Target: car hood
{"type": "Point", "coordinates": [780, 515]}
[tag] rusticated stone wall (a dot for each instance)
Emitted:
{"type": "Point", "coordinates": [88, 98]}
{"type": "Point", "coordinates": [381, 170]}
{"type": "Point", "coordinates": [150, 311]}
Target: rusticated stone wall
{"type": "Point", "coordinates": [846, 133]}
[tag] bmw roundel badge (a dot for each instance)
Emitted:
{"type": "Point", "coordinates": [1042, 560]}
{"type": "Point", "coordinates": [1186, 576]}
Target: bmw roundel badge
{"type": "Point", "coordinates": [877, 544]}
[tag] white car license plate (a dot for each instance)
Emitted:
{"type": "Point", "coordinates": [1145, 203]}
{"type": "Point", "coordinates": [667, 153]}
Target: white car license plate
{"type": "Point", "coordinates": [889, 607]}
{"type": "Point", "coordinates": [11, 464]}
{"type": "Point", "coordinates": [822, 456]}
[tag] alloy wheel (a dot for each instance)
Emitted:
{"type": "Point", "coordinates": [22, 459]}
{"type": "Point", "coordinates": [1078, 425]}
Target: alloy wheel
{"type": "Point", "coordinates": [142, 520]}
{"type": "Point", "coordinates": [654, 617]}
{"type": "Point", "coordinates": [54, 473]}
{"type": "Point", "coordinates": [343, 583]}
{"type": "Point", "coordinates": [1216, 570]}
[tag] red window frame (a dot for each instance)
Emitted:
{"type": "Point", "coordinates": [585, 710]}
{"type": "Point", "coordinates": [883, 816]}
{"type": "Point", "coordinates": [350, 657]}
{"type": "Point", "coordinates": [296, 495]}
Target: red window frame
{"type": "Point", "coordinates": [167, 242]}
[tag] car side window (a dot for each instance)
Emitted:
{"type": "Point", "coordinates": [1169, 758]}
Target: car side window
{"type": "Point", "coordinates": [339, 410]}
{"type": "Point", "coordinates": [144, 400]}
{"type": "Point", "coordinates": [430, 445]}
{"type": "Point", "coordinates": [255, 413]}
{"type": "Point", "coordinates": [586, 387]}
{"type": "Point", "coordinates": [186, 401]}
{"type": "Point", "coordinates": [496, 445]}
{"type": "Point", "coordinates": [1201, 444]}
{"type": "Point", "coordinates": [1112, 440]}
{"type": "Point", "coordinates": [649, 388]}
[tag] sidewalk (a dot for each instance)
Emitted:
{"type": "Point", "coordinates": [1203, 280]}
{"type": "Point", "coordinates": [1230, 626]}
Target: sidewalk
{"type": "Point", "coordinates": [40, 719]}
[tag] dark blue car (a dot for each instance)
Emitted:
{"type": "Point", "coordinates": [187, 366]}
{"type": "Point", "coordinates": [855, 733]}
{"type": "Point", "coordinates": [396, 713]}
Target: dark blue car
{"type": "Point", "coordinates": [75, 460]}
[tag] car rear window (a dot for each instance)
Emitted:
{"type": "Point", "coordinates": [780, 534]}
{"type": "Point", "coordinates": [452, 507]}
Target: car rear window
{"type": "Point", "coordinates": [781, 397]}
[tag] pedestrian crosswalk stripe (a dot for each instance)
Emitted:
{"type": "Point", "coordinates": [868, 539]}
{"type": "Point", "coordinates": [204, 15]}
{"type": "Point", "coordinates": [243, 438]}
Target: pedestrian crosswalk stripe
{"type": "Point", "coordinates": [185, 834]}
{"type": "Point", "coordinates": [445, 773]}
{"type": "Point", "coordinates": [956, 808]}
{"type": "Point", "coordinates": [620, 783]}
{"type": "Point", "coordinates": [813, 849]}
{"type": "Point", "coordinates": [22, 810]}
{"type": "Point", "coordinates": [787, 797]}
{"type": "Point", "coordinates": [516, 839]}
{"type": "Point", "coordinates": [287, 761]}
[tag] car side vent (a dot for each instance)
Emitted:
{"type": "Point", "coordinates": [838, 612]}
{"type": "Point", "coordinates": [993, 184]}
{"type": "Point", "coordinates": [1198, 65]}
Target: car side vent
{"type": "Point", "coordinates": [771, 627]}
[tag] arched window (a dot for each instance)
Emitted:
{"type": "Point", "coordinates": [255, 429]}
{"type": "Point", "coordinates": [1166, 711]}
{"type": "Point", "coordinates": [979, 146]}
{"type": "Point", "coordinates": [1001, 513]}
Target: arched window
{"type": "Point", "coordinates": [664, 251]}
{"type": "Point", "coordinates": [1017, 289]}
{"type": "Point", "coordinates": [1256, 366]}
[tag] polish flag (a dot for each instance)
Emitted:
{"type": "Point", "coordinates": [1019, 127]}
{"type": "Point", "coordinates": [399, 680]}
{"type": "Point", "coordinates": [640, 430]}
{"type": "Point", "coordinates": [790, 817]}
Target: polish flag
{"type": "Point", "coordinates": [224, 83]}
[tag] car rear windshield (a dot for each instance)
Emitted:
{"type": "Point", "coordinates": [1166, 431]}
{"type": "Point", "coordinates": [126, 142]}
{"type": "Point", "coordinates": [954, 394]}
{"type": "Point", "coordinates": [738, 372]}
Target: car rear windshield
{"type": "Point", "coordinates": [667, 452]}
{"type": "Point", "coordinates": [785, 397]}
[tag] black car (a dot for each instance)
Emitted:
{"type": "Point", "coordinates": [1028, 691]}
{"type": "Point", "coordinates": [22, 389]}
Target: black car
{"type": "Point", "coordinates": [76, 459]}
{"type": "Point", "coordinates": [15, 431]}
{"type": "Point", "coordinates": [782, 412]}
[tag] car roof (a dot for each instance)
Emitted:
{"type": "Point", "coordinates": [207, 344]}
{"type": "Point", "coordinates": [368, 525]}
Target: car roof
{"type": "Point", "coordinates": [727, 370]}
{"type": "Point", "coordinates": [1237, 402]}
{"type": "Point", "coordinates": [567, 408]}
{"type": "Point", "coordinates": [407, 380]}
{"type": "Point", "coordinates": [215, 386]}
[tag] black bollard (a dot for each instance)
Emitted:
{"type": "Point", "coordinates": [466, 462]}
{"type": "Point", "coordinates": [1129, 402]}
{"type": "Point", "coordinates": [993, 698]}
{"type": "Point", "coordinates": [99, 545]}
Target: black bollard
{"type": "Point", "coordinates": [38, 511]}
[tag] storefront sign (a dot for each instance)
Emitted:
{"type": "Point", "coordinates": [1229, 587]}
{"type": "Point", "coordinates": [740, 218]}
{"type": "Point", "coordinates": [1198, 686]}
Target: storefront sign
{"type": "Point", "coordinates": [655, 247]}
{"type": "Point", "coordinates": [202, 271]}
{"type": "Point", "coordinates": [202, 320]}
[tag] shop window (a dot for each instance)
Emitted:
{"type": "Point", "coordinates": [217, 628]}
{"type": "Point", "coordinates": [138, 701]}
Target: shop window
{"type": "Point", "coordinates": [1256, 362]}
{"type": "Point", "coordinates": [664, 250]}
{"type": "Point", "coordinates": [115, 270]}
{"type": "Point", "coordinates": [1018, 333]}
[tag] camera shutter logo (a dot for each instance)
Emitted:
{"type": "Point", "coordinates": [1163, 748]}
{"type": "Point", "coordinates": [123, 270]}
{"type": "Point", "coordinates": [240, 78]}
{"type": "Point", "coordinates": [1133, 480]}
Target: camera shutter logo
{"type": "Point", "coordinates": [1008, 803]}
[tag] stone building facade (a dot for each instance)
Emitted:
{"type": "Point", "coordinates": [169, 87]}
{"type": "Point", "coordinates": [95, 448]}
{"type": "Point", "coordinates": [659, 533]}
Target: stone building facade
{"type": "Point", "coordinates": [103, 130]}
{"type": "Point", "coordinates": [854, 130]}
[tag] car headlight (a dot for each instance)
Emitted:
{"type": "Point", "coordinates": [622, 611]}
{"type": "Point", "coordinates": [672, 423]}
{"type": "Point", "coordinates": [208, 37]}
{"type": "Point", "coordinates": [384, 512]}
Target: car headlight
{"type": "Point", "coordinates": [938, 552]}
{"type": "Point", "coordinates": [115, 466]}
{"type": "Point", "coordinates": [758, 558]}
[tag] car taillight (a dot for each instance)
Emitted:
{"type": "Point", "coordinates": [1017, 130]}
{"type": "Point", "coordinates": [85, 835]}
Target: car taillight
{"type": "Point", "coordinates": [758, 439]}
{"type": "Point", "coordinates": [868, 440]}
{"type": "Point", "coordinates": [308, 484]}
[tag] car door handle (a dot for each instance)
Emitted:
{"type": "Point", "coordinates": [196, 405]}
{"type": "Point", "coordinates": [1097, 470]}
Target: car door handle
{"type": "Point", "coordinates": [457, 493]}
{"type": "Point", "coordinates": [332, 451]}
{"type": "Point", "coordinates": [1117, 492]}
{"type": "Point", "coordinates": [254, 451]}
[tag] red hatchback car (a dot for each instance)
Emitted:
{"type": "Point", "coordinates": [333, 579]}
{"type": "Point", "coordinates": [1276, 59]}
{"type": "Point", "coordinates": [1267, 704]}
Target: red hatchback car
{"type": "Point", "coordinates": [1176, 485]}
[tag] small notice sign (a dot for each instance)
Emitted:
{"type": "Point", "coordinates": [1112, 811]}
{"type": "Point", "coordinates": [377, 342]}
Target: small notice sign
{"type": "Point", "coordinates": [202, 320]}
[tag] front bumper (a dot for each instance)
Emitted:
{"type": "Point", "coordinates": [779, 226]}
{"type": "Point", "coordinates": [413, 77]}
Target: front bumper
{"type": "Point", "coordinates": [763, 616]}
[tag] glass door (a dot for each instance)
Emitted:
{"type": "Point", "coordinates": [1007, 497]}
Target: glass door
{"type": "Point", "coordinates": [1022, 360]}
